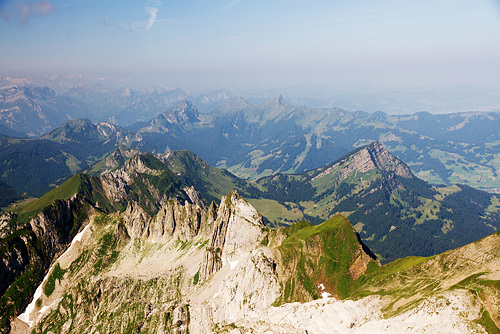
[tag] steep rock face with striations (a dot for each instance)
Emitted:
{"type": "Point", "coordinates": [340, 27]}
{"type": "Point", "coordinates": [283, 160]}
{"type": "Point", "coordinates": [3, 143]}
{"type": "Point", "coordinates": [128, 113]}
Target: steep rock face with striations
{"type": "Point", "coordinates": [238, 273]}
{"type": "Point", "coordinates": [174, 221]}
{"type": "Point", "coordinates": [56, 226]}
{"type": "Point", "coordinates": [236, 230]}
{"type": "Point", "coordinates": [370, 157]}
{"type": "Point", "coordinates": [142, 179]}
{"type": "Point", "coordinates": [385, 161]}
{"type": "Point", "coordinates": [167, 278]}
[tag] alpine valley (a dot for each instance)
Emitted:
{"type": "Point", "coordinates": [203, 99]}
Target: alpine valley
{"type": "Point", "coordinates": [165, 242]}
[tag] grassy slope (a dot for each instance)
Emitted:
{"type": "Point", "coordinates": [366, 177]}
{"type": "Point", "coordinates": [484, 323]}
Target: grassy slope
{"type": "Point", "coordinates": [64, 191]}
{"type": "Point", "coordinates": [411, 280]}
{"type": "Point", "coordinates": [314, 255]}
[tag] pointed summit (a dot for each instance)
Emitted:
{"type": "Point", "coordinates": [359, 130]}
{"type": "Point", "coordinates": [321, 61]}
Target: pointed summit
{"type": "Point", "coordinates": [367, 158]}
{"type": "Point", "coordinates": [281, 101]}
{"type": "Point", "coordinates": [383, 160]}
{"type": "Point", "coordinates": [277, 102]}
{"type": "Point", "coordinates": [184, 111]}
{"type": "Point", "coordinates": [82, 130]}
{"type": "Point", "coordinates": [274, 109]}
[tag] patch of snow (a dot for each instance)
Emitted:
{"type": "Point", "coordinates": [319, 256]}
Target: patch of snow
{"type": "Point", "coordinates": [233, 264]}
{"type": "Point", "coordinates": [79, 236]}
{"type": "Point", "coordinates": [223, 262]}
{"type": "Point", "coordinates": [325, 295]}
{"type": "Point", "coordinates": [25, 316]}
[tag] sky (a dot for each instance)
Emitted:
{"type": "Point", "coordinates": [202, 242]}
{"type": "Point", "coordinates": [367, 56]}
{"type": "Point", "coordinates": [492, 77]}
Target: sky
{"type": "Point", "coordinates": [242, 43]}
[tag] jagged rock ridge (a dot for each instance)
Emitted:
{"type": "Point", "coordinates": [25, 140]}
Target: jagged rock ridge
{"type": "Point", "coordinates": [249, 277]}
{"type": "Point", "coordinates": [147, 223]}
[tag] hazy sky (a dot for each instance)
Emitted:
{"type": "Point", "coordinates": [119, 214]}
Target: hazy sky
{"type": "Point", "coordinates": [243, 43]}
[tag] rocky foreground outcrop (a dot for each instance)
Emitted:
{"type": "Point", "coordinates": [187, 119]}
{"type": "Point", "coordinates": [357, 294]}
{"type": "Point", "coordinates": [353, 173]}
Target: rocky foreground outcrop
{"type": "Point", "coordinates": [153, 257]}
{"type": "Point", "coordinates": [194, 269]}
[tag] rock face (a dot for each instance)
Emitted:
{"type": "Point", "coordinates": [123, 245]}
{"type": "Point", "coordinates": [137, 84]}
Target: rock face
{"type": "Point", "coordinates": [238, 270]}
{"type": "Point", "coordinates": [240, 287]}
{"type": "Point", "coordinates": [14, 260]}
{"type": "Point", "coordinates": [136, 220]}
{"type": "Point", "coordinates": [142, 179]}
{"type": "Point", "coordinates": [383, 160]}
{"type": "Point", "coordinates": [173, 221]}
{"type": "Point", "coordinates": [236, 230]}
{"type": "Point", "coordinates": [55, 226]}
{"type": "Point", "coordinates": [222, 270]}
{"type": "Point", "coordinates": [5, 228]}
{"type": "Point", "coordinates": [373, 156]}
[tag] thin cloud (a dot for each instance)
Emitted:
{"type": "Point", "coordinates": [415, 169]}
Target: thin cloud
{"type": "Point", "coordinates": [231, 4]}
{"type": "Point", "coordinates": [152, 11]}
{"type": "Point", "coordinates": [25, 10]}
{"type": "Point", "coordinates": [231, 38]}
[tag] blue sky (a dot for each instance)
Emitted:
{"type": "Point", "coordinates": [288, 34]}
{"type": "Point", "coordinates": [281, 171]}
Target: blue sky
{"type": "Point", "coordinates": [242, 43]}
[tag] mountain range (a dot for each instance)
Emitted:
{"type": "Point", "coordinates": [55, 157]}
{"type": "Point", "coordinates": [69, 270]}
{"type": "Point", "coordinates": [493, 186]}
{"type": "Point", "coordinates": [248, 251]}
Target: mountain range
{"type": "Point", "coordinates": [249, 139]}
{"type": "Point", "coordinates": [166, 242]}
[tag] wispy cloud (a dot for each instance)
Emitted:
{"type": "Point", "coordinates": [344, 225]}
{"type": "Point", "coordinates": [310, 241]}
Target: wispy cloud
{"type": "Point", "coordinates": [231, 4]}
{"type": "Point", "coordinates": [24, 10]}
{"type": "Point", "coordinates": [152, 11]}
{"type": "Point", "coordinates": [231, 38]}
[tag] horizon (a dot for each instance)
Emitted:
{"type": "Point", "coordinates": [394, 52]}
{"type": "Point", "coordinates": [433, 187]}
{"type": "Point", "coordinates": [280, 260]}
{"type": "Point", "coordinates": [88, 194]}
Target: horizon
{"type": "Point", "coordinates": [240, 45]}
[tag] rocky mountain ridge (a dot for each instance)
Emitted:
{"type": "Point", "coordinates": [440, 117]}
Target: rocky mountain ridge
{"type": "Point", "coordinates": [218, 267]}
{"type": "Point", "coordinates": [376, 190]}
{"type": "Point", "coordinates": [233, 262]}
{"type": "Point", "coordinates": [253, 140]}
{"type": "Point", "coordinates": [240, 286]}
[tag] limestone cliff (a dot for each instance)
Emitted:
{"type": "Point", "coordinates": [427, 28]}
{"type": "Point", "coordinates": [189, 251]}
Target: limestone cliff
{"type": "Point", "coordinates": [157, 257]}
{"type": "Point", "coordinates": [168, 278]}
{"type": "Point", "coordinates": [236, 230]}
{"type": "Point", "coordinates": [173, 221]}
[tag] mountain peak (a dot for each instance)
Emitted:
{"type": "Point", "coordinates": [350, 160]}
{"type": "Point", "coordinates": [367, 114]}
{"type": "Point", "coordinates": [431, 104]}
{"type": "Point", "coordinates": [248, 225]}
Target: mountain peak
{"type": "Point", "coordinates": [184, 111]}
{"type": "Point", "coordinates": [281, 101]}
{"type": "Point", "coordinates": [385, 161]}
{"type": "Point", "coordinates": [366, 158]}
{"type": "Point", "coordinates": [66, 131]}
{"type": "Point", "coordinates": [83, 129]}
{"type": "Point", "coordinates": [277, 102]}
